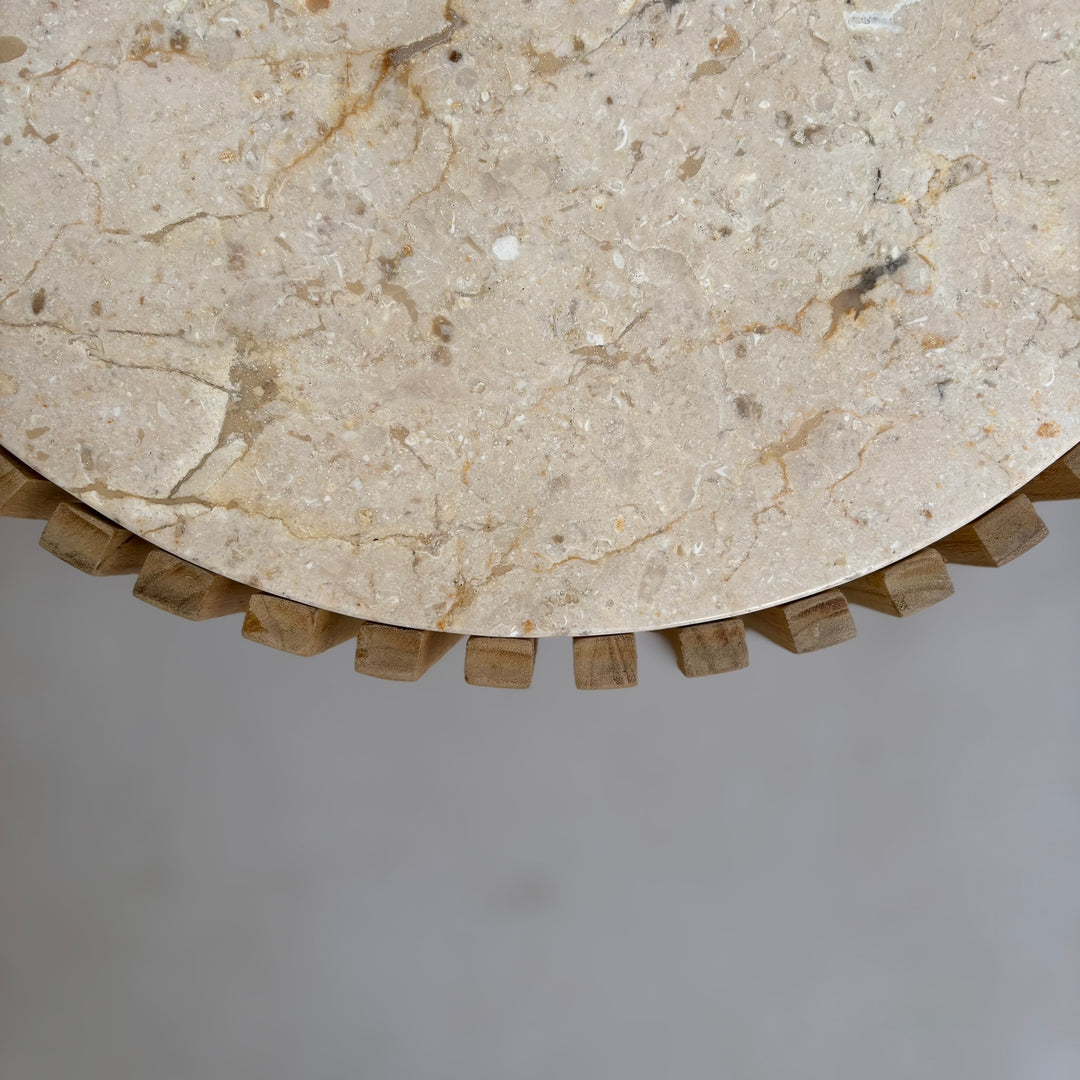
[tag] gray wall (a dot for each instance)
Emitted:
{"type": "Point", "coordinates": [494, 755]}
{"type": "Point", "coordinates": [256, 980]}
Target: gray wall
{"type": "Point", "coordinates": [220, 862]}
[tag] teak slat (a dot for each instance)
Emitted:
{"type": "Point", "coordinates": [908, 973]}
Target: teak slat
{"type": "Point", "coordinates": [904, 588]}
{"type": "Point", "coordinates": [293, 627]}
{"type": "Point", "coordinates": [709, 648]}
{"type": "Point", "coordinates": [91, 543]}
{"type": "Point", "coordinates": [605, 662]}
{"type": "Point", "coordinates": [399, 653]}
{"type": "Point", "coordinates": [187, 590]}
{"type": "Point", "coordinates": [501, 662]}
{"type": "Point", "coordinates": [997, 537]}
{"type": "Point", "coordinates": [1060, 481]}
{"type": "Point", "coordinates": [806, 625]}
{"type": "Point", "coordinates": [25, 494]}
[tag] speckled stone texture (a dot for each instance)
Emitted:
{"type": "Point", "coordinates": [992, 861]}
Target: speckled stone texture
{"type": "Point", "coordinates": [540, 318]}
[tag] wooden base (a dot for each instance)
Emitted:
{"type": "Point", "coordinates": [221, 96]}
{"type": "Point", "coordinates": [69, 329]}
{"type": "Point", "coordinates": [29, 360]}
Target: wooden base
{"type": "Point", "coordinates": [605, 662]}
{"type": "Point", "coordinates": [1060, 481]}
{"type": "Point", "coordinates": [398, 652]}
{"type": "Point", "coordinates": [24, 494]}
{"type": "Point", "coordinates": [997, 537]}
{"type": "Point", "coordinates": [87, 540]}
{"type": "Point", "coordinates": [806, 625]}
{"type": "Point", "coordinates": [189, 591]}
{"type": "Point", "coordinates": [91, 543]}
{"type": "Point", "coordinates": [507, 663]}
{"type": "Point", "coordinates": [295, 628]}
{"type": "Point", "coordinates": [908, 586]}
{"type": "Point", "coordinates": [710, 648]}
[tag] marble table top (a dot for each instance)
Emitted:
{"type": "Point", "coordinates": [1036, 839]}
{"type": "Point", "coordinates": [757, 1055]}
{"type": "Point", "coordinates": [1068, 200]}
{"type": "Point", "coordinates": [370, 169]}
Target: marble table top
{"type": "Point", "coordinates": [540, 318]}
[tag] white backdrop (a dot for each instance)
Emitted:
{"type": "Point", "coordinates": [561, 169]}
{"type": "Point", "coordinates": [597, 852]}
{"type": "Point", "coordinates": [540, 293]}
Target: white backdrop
{"type": "Point", "coordinates": [218, 862]}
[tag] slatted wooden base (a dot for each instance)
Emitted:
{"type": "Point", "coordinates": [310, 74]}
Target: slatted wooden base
{"type": "Point", "coordinates": [500, 662]}
{"type": "Point", "coordinates": [90, 542]}
{"type": "Point", "coordinates": [906, 587]}
{"type": "Point", "coordinates": [1060, 481]}
{"type": "Point", "coordinates": [997, 537]}
{"type": "Point", "coordinates": [806, 625]}
{"type": "Point", "coordinates": [293, 627]}
{"type": "Point", "coordinates": [24, 494]}
{"type": "Point", "coordinates": [710, 648]}
{"type": "Point", "coordinates": [398, 652]}
{"type": "Point", "coordinates": [605, 662]}
{"type": "Point", "coordinates": [187, 590]}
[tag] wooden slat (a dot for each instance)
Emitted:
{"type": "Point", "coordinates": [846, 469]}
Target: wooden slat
{"type": "Point", "coordinates": [91, 543]}
{"type": "Point", "coordinates": [399, 653]}
{"type": "Point", "coordinates": [189, 591]}
{"type": "Point", "coordinates": [502, 662]}
{"type": "Point", "coordinates": [1060, 481]}
{"type": "Point", "coordinates": [806, 625]}
{"type": "Point", "coordinates": [25, 494]}
{"type": "Point", "coordinates": [709, 648]}
{"type": "Point", "coordinates": [605, 662]}
{"type": "Point", "coordinates": [293, 627]}
{"type": "Point", "coordinates": [904, 588]}
{"type": "Point", "coordinates": [997, 537]}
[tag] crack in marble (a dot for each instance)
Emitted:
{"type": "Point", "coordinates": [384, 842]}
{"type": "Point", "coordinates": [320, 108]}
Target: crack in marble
{"type": "Point", "coordinates": [158, 235]}
{"type": "Point", "coordinates": [613, 552]}
{"type": "Point", "coordinates": [361, 102]}
{"type": "Point", "coordinates": [95, 348]}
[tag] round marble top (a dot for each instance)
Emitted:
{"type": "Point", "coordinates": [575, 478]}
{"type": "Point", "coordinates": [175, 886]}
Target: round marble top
{"type": "Point", "coordinates": [533, 318]}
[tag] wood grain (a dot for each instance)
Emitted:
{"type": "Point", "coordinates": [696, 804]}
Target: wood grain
{"type": "Point", "coordinates": [908, 586]}
{"type": "Point", "coordinates": [1060, 481]}
{"type": "Point", "coordinates": [709, 648]}
{"type": "Point", "coordinates": [605, 662]}
{"type": "Point", "coordinates": [293, 627]}
{"type": "Point", "coordinates": [501, 662]}
{"type": "Point", "coordinates": [189, 591]}
{"type": "Point", "coordinates": [806, 625]}
{"type": "Point", "coordinates": [399, 653]}
{"type": "Point", "coordinates": [25, 494]}
{"type": "Point", "coordinates": [91, 543]}
{"type": "Point", "coordinates": [997, 537]}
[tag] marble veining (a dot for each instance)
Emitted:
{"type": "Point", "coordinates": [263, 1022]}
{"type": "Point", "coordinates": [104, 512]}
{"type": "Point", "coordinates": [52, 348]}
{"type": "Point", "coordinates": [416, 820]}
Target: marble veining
{"type": "Point", "coordinates": [534, 317]}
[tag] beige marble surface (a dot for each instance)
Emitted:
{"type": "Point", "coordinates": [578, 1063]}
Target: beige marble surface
{"type": "Point", "coordinates": [540, 318]}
